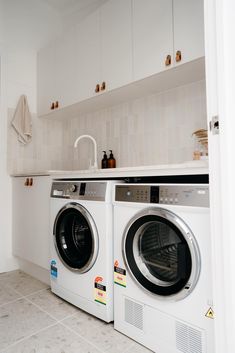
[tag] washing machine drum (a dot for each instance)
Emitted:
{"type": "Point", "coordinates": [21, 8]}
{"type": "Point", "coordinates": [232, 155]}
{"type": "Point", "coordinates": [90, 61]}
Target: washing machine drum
{"type": "Point", "coordinates": [76, 237]}
{"type": "Point", "coordinates": [161, 253]}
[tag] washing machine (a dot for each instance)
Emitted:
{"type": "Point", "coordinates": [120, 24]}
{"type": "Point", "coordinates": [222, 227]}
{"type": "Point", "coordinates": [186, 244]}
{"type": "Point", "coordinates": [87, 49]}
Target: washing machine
{"type": "Point", "coordinates": [162, 266]}
{"type": "Point", "coordinates": [82, 245]}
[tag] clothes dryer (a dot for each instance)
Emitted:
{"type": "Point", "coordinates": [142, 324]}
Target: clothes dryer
{"type": "Point", "coordinates": [162, 266]}
{"type": "Point", "coordinates": [82, 245]}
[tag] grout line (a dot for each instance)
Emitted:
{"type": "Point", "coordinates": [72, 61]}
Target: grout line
{"type": "Point", "coordinates": [27, 337]}
{"type": "Point", "coordinates": [84, 339]}
{"type": "Point", "coordinates": [60, 322]}
{"type": "Point", "coordinates": [49, 314]}
{"type": "Point", "coordinates": [11, 301]}
{"type": "Point", "coordinates": [37, 306]}
{"type": "Point", "coordinates": [38, 291]}
{"type": "Point", "coordinates": [24, 296]}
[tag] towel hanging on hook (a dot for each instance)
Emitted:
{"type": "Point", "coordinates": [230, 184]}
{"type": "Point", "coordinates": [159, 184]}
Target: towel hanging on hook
{"type": "Point", "coordinates": [22, 121]}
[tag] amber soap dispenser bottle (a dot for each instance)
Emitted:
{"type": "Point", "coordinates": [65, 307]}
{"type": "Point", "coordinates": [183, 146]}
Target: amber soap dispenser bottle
{"type": "Point", "coordinates": [111, 160]}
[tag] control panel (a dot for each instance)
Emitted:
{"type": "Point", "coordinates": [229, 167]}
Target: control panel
{"type": "Point", "coordinates": [183, 195]}
{"type": "Point", "coordinates": [74, 190]}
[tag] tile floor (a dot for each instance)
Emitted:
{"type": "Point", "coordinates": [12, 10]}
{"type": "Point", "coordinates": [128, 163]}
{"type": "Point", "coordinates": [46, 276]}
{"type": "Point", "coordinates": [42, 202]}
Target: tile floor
{"type": "Point", "coordinates": [33, 320]}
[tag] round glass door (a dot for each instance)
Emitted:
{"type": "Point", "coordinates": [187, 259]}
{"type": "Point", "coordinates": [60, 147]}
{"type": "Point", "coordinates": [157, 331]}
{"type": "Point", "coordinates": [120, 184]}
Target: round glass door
{"type": "Point", "coordinates": [161, 253]}
{"type": "Point", "coordinates": [76, 237]}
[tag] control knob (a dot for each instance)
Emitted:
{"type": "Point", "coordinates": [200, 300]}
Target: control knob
{"type": "Point", "coordinates": [73, 188]}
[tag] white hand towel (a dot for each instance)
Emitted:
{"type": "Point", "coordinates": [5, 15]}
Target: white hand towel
{"type": "Point", "coordinates": [22, 121]}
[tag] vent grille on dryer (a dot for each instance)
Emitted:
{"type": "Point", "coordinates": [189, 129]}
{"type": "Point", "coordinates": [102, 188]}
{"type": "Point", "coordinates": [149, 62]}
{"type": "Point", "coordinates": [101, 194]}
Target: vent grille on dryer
{"type": "Point", "coordinates": [188, 339]}
{"type": "Point", "coordinates": [134, 313]}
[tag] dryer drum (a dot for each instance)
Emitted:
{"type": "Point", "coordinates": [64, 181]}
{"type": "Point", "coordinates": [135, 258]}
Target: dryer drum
{"type": "Point", "coordinates": [159, 254]}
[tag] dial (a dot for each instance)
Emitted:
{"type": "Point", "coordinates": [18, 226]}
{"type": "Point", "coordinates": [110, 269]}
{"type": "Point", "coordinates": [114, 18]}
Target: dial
{"type": "Point", "coordinates": [73, 188]}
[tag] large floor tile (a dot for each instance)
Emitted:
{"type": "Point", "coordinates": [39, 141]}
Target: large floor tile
{"type": "Point", "coordinates": [20, 319]}
{"type": "Point", "coordinates": [21, 282]}
{"type": "Point", "coordinates": [56, 339]}
{"type": "Point", "coordinates": [7, 294]}
{"type": "Point", "coordinates": [54, 305]}
{"type": "Point", "coordinates": [101, 334]}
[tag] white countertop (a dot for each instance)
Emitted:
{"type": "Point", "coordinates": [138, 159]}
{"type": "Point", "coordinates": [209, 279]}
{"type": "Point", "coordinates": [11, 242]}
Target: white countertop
{"type": "Point", "coordinates": [187, 168]}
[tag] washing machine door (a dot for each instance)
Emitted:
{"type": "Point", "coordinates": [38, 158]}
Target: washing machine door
{"type": "Point", "coordinates": [161, 253]}
{"type": "Point", "coordinates": [76, 237]}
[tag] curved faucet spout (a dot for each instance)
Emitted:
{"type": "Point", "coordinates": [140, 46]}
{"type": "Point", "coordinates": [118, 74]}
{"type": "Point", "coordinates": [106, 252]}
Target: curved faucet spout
{"type": "Point", "coordinates": [95, 165]}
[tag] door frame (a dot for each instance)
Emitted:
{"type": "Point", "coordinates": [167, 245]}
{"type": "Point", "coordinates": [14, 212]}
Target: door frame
{"type": "Point", "coordinates": [220, 78]}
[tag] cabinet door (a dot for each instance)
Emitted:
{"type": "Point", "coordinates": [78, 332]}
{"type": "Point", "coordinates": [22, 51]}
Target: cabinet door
{"type": "Point", "coordinates": [66, 86]}
{"type": "Point", "coordinates": [46, 78]}
{"type": "Point", "coordinates": [31, 215]}
{"type": "Point", "coordinates": [152, 36]}
{"type": "Point", "coordinates": [88, 56]}
{"type": "Point", "coordinates": [116, 43]}
{"type": "Point", "coordinates": [188, 29]}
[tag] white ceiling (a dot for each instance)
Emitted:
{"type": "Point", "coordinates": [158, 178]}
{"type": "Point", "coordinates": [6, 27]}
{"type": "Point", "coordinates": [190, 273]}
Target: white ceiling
{"type": "Point", "coordinates": [32, 23]}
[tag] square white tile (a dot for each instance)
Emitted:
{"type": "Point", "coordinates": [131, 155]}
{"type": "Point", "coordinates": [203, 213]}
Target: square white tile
{"type": "Point", "coordinates": [56, 339]}
{"type": "Point", "coordinates": [19, 320]}
{"type": "Point", "coordinates": [22, 283]}
{"type": "Point", "coordinates": [52, 304]}
{"type": "Point", "coordinates": [99, 333]}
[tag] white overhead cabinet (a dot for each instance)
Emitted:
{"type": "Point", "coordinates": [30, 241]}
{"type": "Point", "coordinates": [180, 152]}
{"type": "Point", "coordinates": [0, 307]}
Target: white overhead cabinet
{"type": "Point", "coordinates": [57, 82]}
{"type": "Point", "coordinates": [116, 43]}
{"type": "Point", "coordinates": [166, 33]}
{"type": "Point", "coordinates": [88, 66]}
{"type": "Point", "coordinates": [188, 30]}
{"type": "Point", "coordinates": [152, 36]}
{"type": "Point", "coordinates": [121, 43]}
{"type": "Point", "coordinates": [90, 59]}
{"type": "Point", "coordinates": [66, 61]}
{"type": "Point", "coordinates": [31, 219]}
{"type": "Point", "coordinates": [104, 45]}
{"type": "Point", "coordinates": [46, 79]}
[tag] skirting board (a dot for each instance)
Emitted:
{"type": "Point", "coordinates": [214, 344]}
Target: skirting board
{"type": "Point", "coordinates": [33, 270]}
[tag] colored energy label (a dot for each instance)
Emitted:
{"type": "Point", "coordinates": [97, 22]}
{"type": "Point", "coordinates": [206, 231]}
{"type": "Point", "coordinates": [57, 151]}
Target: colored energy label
{"type": "Point", "coordinates": [119, 275]}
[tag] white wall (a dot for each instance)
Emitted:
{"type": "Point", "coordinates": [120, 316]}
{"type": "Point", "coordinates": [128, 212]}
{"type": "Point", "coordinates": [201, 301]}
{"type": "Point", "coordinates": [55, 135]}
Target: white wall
{"type": "Point", "coordinates": [18, 76]}
{"type": "Point", "coordinates": [24, 26]}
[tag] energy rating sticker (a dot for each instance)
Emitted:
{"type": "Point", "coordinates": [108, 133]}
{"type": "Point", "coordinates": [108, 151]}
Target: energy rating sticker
{"type": "Point", "coordinates": [210, 313]}
{"type": "Point", "coordinates": [99, 291]}
{"type": "Point", "coordinates": [54, 272]}
{"type": "Point", "coordinates": [119, 275]}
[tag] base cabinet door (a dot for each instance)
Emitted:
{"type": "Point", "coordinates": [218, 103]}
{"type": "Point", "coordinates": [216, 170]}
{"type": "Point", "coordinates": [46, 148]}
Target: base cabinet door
{"type": "Point", "coordinates": [188, 16]}
{"type": "Point", "coordinates": [31, 219]}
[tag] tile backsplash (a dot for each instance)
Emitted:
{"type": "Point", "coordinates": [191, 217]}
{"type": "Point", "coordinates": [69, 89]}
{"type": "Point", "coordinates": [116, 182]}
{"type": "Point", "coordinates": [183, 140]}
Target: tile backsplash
{"type": "Point", "coordinates": [151, 130]}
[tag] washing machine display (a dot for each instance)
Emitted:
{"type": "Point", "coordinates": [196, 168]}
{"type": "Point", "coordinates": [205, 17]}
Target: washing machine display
{"type": "Point", "coordinates": [161, 253]}
{"type": "Point", "coordinates": [76, 237]}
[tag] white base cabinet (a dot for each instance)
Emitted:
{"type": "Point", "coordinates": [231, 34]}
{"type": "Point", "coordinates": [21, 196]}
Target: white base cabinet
{"type": "Point", "coordinates": [31, 219]}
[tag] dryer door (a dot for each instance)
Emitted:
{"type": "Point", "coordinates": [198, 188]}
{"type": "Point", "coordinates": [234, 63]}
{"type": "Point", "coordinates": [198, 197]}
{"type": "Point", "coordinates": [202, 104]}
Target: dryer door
{"type": "Point", "coordinates": [161, 253]}
{"type": "Point", "coordinates": [76, 237]}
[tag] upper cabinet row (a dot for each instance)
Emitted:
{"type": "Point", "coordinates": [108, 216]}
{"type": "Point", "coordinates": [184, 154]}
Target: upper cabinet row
{"type": "Point", "coordinates": [122, 42]}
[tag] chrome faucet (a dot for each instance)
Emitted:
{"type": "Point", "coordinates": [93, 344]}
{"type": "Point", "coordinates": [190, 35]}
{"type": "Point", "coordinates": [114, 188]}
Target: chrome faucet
{"type": "Point", "coordinates": [95, 165]}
